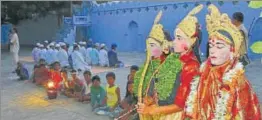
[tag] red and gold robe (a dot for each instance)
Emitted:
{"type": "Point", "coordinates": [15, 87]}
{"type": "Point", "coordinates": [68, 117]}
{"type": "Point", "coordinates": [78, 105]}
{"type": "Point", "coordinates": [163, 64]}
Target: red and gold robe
{"type": "Point", "coordinates": [222, 93]}
{"type": "Point", "coordinates": [190, 68]}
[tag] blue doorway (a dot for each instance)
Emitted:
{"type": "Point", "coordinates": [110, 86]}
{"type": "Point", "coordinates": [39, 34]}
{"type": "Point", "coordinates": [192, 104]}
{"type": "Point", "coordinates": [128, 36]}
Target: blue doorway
{"type": "Point", "coordinates": [132, 37]}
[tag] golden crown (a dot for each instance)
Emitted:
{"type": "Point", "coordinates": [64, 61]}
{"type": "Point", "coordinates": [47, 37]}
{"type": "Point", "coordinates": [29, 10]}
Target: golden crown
{"type": "Point", "coordinates": [188, 24]}
{"type": "Point", "coordinates": [157, 33]}
{"type": "Point", "coordinates": [219, 25]}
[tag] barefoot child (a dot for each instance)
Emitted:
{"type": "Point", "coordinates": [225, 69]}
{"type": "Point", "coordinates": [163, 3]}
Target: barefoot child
{"type": "Point", "coordinates": [128, 104]}
{"type": "Point", "coordinates": [41, 75]}
{"type": "Point", "coordinates": [97, 93]}
{"type": "Point", "coordinates": [112, 96]}
{"type": "Point", "coordinates": [78, 85]}
{"type": "Point", "coordinates": [87, 86]}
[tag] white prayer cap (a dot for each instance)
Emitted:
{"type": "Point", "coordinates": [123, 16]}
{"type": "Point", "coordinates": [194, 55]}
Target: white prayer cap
{"type": "Point", "coordinates": [57, 45]}
{"type": "Point", "coordinates": [51, 44]}
{"type": "Point", "coordinates": [41, 45]}
{"type": "Point", "coordinates": [84, 43]}
{"type": "Point", "coordinates": [97, 44]}
{"type": "Point", "coordinates": [38, 44]}
{"type": "Point", "coordinates": [62, 44]}
{"type": "Point", "coordinates": [80, 42]}
{"type": "Point", "coordinates": [46, 41]}
{"type": "Point", "coordinates": [102, 45]}
{"type": "Point", "coordinates": [75, 43]}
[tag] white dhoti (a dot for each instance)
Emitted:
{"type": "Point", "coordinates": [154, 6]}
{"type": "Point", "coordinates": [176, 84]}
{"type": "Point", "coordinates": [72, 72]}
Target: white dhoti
{"type": "Point", "coordinates": [15, 57]}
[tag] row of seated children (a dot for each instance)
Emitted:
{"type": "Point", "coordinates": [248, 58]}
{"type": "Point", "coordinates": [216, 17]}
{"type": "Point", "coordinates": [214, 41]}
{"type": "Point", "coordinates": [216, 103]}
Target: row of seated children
{"type": "Point", "coordinates": [108, 101]}
{"type": "Point", "coordinates": [103, 101]}
{"type": "Point", "coordinates": [69, 86]}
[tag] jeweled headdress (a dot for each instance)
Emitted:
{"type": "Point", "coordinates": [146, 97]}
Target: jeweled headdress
{"type": "Point", "coordinates": [188, 24]}
{"type": "Point", "coordinates": [157, 34]}
{"type": "Point", "coordinates": [220, 25]}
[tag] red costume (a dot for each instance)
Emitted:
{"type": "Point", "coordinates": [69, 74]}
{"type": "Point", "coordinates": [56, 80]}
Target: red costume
{"type": "Point", "coordinates": [56, 77]}
{"type": "Point", "coordinates": [189, 70]}
{"type": "Point", "coordinates": [222, 91]}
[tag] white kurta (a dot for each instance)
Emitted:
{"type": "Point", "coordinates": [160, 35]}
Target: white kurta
{"type": "Point", "coordinates": [34, 54]}
{"type": "Point", "coordinates": [87, 88]}
{"type": "Point", "coordinates": [103, 57]}
{"type": "Point", "coordinates": [43, 54]}
{"type": "Point", "coordinates": [14, 48]}
{"type": "Point", "coordinates": [49, 56]}
{"type": "Point", "coordinates": [38, 54]}
{"type": "Point", "coordinates": [70, 50]}
{"type": "Point", "coordinates": [83, 52]}
{"type": "Point", "coordinates": [88, 58]}
{"type": "Point", "coordinates": [79, 62]}
{"type": "Point", "coordinates": [63, 57]}
{"type": "Point", "coordinates": [54, 54]}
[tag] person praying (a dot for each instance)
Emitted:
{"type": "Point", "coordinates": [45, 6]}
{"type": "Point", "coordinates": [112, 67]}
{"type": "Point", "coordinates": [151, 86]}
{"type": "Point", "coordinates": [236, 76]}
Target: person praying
{"type": "Point", "coordinates": [103, 57]}
{"type": "Point", "coordinates": [78, 60]}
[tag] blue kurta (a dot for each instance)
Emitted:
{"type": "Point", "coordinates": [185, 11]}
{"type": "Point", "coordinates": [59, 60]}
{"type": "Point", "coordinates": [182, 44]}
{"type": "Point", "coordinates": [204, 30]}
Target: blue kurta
{"type": "Point", "coordinates": [94, 55]}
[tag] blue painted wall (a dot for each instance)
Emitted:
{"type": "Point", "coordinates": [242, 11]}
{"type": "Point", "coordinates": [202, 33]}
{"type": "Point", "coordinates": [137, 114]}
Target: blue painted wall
{"type": "Point", "coordinates": [254, 37]}
{"type": "Point", "coordinates": [119, 22]}
{"type": "Point", "coordinates": [5, 28]}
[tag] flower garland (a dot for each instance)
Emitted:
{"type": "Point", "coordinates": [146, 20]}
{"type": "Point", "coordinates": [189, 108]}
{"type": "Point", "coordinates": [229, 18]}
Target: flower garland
{"type": "Point", "coordinates": [193, 92]}
{"type": "Point", "coordinates": [167, 74]}
{"type": "Point", "coordinates": [192, 95]}
{"type": "Point", "coordinates": [221, 106]}
{"type": "Point", "coordinates": [153, 65]}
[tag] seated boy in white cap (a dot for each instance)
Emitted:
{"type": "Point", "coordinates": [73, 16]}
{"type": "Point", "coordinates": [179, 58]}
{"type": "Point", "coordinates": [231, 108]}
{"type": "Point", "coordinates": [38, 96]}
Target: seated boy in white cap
{"type": "Point", "coordinates": [49, 56]}
{"type": "Point", "coordinates": [103, 57]}
{"type": "Point", "coordinates": [94, 55]}
{"type": "Point", "coordinates": [63, 56]}
{"type": "Point", "coordinates": [55, 53]}
{"type": "Point", "coordinates": [43, 52]}
{"type": "Point", "coordinates": [35, 53]}
{"type": "Point", "coordinates": [82, 49]}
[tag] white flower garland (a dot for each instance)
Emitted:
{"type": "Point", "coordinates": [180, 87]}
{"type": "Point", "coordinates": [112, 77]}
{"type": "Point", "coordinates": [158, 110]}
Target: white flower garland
{"type": "Point", "coordinates": [221, 106]}
{"type": "Point", "coordinates": [193, 92]}
{"type": "Point", "coordinates": [192, 95]}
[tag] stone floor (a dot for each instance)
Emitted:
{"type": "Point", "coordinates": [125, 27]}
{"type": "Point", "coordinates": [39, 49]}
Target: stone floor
{"type": "Point", "coordinates": [25, 101]}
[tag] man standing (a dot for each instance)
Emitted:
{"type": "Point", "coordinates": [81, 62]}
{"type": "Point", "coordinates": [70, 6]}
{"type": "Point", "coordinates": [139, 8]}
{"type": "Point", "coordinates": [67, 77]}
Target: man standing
{"type": "Point", "coordinates": [238, 19]}
{"type": "Point", "coordinates": [14, 46]}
